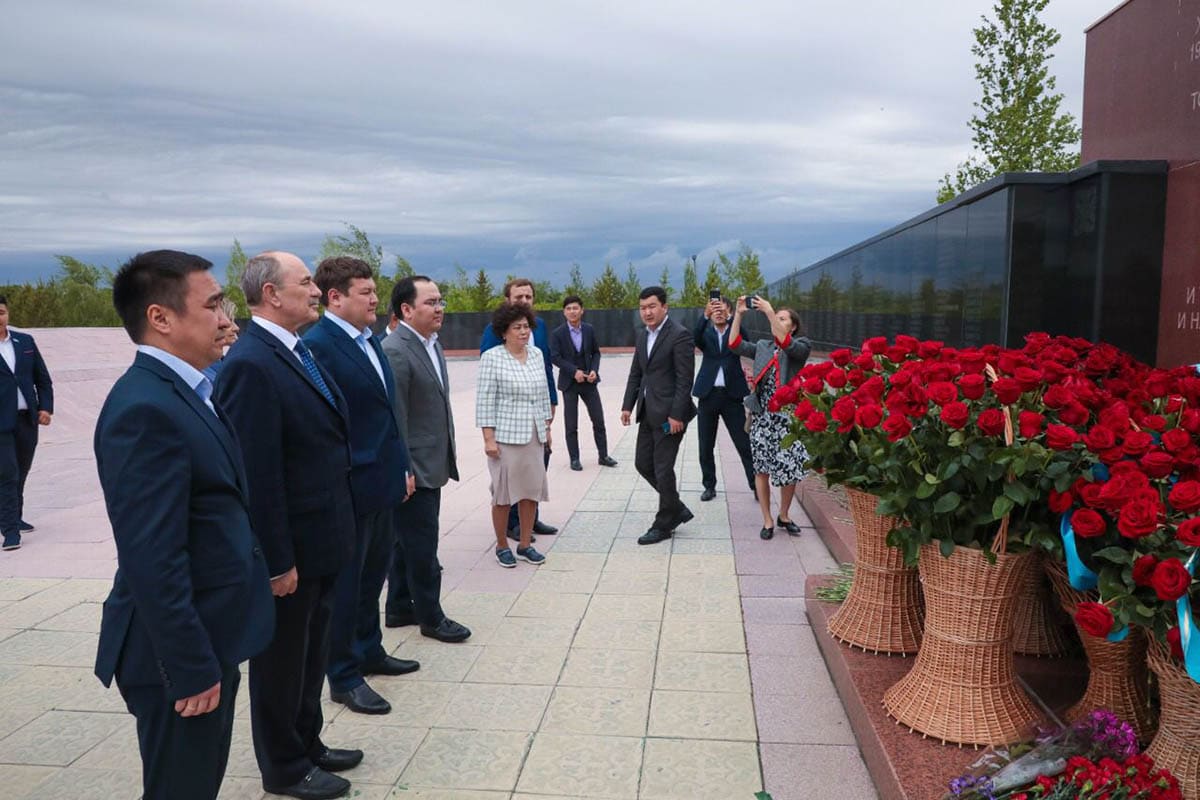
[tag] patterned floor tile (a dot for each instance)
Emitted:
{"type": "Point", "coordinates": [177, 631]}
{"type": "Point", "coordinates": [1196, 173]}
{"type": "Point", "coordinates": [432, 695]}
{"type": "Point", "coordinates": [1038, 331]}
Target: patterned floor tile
{"type": "Point", "coordinates": [685, 546]}
{"type": "Point", "coordinates": [41, 647]}
{"type": "Point", "coordinates": [439, 662]}
{"type": "Point", "coordinates": [563, 582]}
{"type": "Point", "coordinates": [523, 665]}
{"type": "Point", "coordinates": [632, 583]}
{"type": "Point", "coordinates": [89, 784]}
{"type": "Point", "coordinates": [478, 604]}
{"type": "Point", "coordinates": [57, 738]}
{"type": "Point", "coordinates": [626, 606]}
{"type": "Point", "coordinates": [20, 780]}
{"type": "Point", "coordinates": [415, 703]}
{"type": "Point", "coordinates": [601, 632]}
{"type": "Point", "coordinates": [687, 769]}
{"type": "Point", "coordinates": [601, 712]}
{"type": "Point", "coordinates": [386, 752]}
{"type": "Point", "coordinates": [712, 672]}
{"type": "Point", "coordinates": [644, 559]}
{"type": "Point", "coordinates": [456, 759]}
{"type": "Point", "coordinates": [629, 669]}
{"type": "Point", "coordinates": [594, 543]}
{"type": "Point", "coordinates": [590, 766]}
{"type": "Point", "coordinates": [716, 608]}
{"type": "Point", "coordinates": [702, 715]}
{"type": "Point", "coordinates": [84, 617]}
{"type": "Point", "coordinates": [490, 707]}
{"type": "Point", "coordinates": [534, 632]}
{"type": "Point", "coordinates": [575, 562]}
{"type": "Point", "coordinates": [702, 636]}
{"type": "Point", "coordinates": [546, 605]}
{"type": "Point", "coordinates": [701, 564]}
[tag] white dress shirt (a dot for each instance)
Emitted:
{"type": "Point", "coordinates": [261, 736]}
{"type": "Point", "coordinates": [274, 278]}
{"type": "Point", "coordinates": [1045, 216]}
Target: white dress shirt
{"type": "Point", "coordinates": [430, 346]}
{"type": "Point", "coordinates": [281, 333]}
{"type": "Point", "coordinates": [652, 336]}
{"type": "Point", "coordinates": [8, 352]}
{"type": "Point", "coordinates": [360, 338]}
{"type": "Point", "coordinates": [719, 379]}
{"type": "Point", "coordinates": [197, 380]}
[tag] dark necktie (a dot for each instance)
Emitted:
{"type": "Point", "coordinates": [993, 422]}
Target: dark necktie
{"type": "Point", "coordinates": [310, 366]}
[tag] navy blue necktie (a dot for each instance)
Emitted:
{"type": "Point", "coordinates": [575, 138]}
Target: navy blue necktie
{"type": "Point", "coordinates": [310, 366]}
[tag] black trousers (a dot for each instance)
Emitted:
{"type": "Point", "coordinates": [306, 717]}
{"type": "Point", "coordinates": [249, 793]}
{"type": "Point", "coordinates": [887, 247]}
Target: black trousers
{"type": "Point", "coordinates": [715, 406]}
{"type": "Point", "coordinates": [418, 589]}
{"type": "Point", "coordinates": [286, 681]}
{"type": "Point", "coordinates": [514, 516]}
{"type": "Point", "coordinates": [655, 461]}
{"type": "Point", "coordinates": [183, 758]}
{"type": "Point", "coordinates": [355, 636]}
{"type": "Point", "coordinates": [590, 394]}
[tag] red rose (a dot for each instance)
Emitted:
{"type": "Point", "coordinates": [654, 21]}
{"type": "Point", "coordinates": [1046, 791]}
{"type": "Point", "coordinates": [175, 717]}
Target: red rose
{"type": "Point", "coordinates": [1137, 443]}
{"type": "Point", "coordinates": [1099, 439]}
{"type": "Point", "coordinates": [816, 422]}
{"type": "Point", "coordinates": [876, 345]}
{"type": "Point", "coordinates": [1140, 517]}
{"type": "Point", "coordinates": [1094, 618]}
{"type": "Point", "coordinates": [1029, 379]}
{"type": "Point", "coordinates": [865, 361]}
{"type": "Point", "coordinates": [1059, 502]}
{"type": "Point", "coordinates": [1176, 440]}
{"type": "Point", "coordinates": [929, 349]}
{"type": "Point", "coordinates": [1185, 496]}
{"type": "Point", "coordinates": [1143, 569]}
{"type": "Point", "coordinates": [843, 411]}
{"type": "Point", "coordinates": [786, 396]}
{"type": "Point", "coordinates": [991, 422]}
{"type": "Point", "coordinates": [1057, 397]}
{"type": "Point", "coordinates": [856, 377]}
{"type": "Point", "coordinates": [1157, 464]}
{"type": "Point", "coordinates": [955, 414]}
{"type": "Point", "coordinates": [902, 379]}
{"type": "Point", "coordinates": [897, 427]}
{"type": "Point", "coordinates": [1073, 414]}
{"type": "Point", "coordinates": [841, 357]}
{"type": "Point", "coordinates": [896, 354]}
{"type": "Point", "coordinates": [836, 378]}
{"type": "Point", "coordinates": [1154, 422]}
{"type": "Point", "coordinates": [1008, 390]}
{"type": "Point", "coordinates": [1173, 641]}
{"type": "Point", "coordinates": [1029, 424]}
{"type": "Point", "coordinates": [1188, 532]}
{"type": "Point", "coordinates": [869, 416]}
{"type": "Point", "coordinates": [972, 386]}
{"type": "Point", "coordinates": [1087, 523]}
{"type": "Point", "coordinates": [1060, 437]}
{"type": "Point", "coordinates": [1190, 420]}
{"type": "Point", "coordinates": [1170, 580]}
{"type": "Point", "coordinates": [942, 392]}
{"type": "Point", "coordinates": [1089, 493]}
{"type": "Point", "coordinates": [803, 409]}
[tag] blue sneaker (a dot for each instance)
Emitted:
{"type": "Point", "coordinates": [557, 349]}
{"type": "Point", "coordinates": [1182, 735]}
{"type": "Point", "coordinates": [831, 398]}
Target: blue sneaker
{"type": "Point", "coordinates": [505, 557]}
{"type": "Point", "coordinates": [530, 555]}
{"type": "Point", "coordinates": [12, 541]}
{"type": "Point", "coordinates": [25, 527]}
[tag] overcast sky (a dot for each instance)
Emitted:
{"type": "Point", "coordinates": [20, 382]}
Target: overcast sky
{"type": "Point", "coordinates": [518, 136]}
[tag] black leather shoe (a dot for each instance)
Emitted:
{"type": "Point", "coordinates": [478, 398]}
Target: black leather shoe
{"type": "Point", "coordinates": [399, 620]}
{"type": "Point", "coordinates": [515, 535]}
{"type": "Point", "coordinates": [789, 526]}
{"type": "Point", "coordinates": [333, 760]}
{"type": "Point", "coordinates": [391, 666]}
{"type": "Point", "coordinates": [708, 494]}
{"type": "Point", "coordinates": [316, 785]}
{"type": "Point", "coordinates": [767, 533]}
{"type": "Point", "coordinates": [446, 631]}
{"type": "Point", "coordinates": [684, 516]}
{"type": "Point", "coordinates": [542, 529]}
{"type": "Point", "coordinates": [654, 536]}
{"type": "Point", "coordinates": [608, 461]}
{"type": "Point", "coordinates": [576, 466]}
{"type": "Point", "coordinates": [362, 699]}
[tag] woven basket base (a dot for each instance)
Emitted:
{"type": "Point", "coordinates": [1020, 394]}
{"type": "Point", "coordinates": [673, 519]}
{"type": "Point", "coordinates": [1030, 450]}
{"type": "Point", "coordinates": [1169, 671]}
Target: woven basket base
{"type": "Point", "coordinates": [963, 686]}
{"type": "Point", "coordinates": [883, 612]}
{"type": "Point", "coordinates": [1176, 746]}
{"type": "Point", "coordinates": [1118, 678]}
{"type": "Point", "coordinates": [1038, 627]}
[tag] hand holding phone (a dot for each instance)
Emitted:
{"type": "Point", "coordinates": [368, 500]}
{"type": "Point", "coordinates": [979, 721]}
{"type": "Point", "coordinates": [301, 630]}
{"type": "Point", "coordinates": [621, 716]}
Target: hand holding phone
{"type": "Point", "coordinates": [714, 294]}
{"type": "Point", "coordinates": [751, 302]}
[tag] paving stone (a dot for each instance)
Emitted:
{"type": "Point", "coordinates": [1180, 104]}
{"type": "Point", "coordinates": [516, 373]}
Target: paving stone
{"type": "Point", "coordinates": [626, 606]}
{"type": "Point", "coordinates": [439, 662]}
{"type": "Point", "coordinates": [57, 738]}
{"type": "Point", "coordinates": [563, 582]}
{"type": "Point", "coordinates": [489, 707]}
{"type": "Point", "coordinates": [89, 784]}
{"type": "Point", "coordinates": [533, 632]}
{"type": "Point", "coordinates": [384, 757]}
{"type": "Point", "coordinates": [600, 632]}
{"type": "Point", "coordinates": [628, 583]}
{"type": "Point", "coordinates": [702, 715]}
{"type": "Point", "coordinates": [457, 759]}
{"type": "Point", "coordinates": [524, 664]}
{"type": "Point", "coordinates": [791, 770]}
{"type": "Point", "coordinates": [546, 605]}
{"type": "Point", "coordinates": [686, 546]}
{"type": "Point", "coordinates": [627, 669]}
{"type": "Point", "coordinates": [715, 672]}
{"type": "Point", "coordinates": [589, 766]}
{"type": "Point", "coordinates": [687, 769]}
{"type": "Point", "coordinates": [598, 711]}
{"type": "Point", "coordinates": [20, 780]}
{"type": "Point", "coordinates": [685, 633]}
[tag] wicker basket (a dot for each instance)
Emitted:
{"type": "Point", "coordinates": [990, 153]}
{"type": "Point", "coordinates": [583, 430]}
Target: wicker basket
{"type": "Point", "coordinates": [1119, 680]}
{"type": "Point", "coordinates": [1038, 625]}
{"type": "Point", "coordinates": [963, 687]}
{"type": "Point", "coordinates": [883, 611]}
{"type": "Point", "coordinates": [1176, 746]}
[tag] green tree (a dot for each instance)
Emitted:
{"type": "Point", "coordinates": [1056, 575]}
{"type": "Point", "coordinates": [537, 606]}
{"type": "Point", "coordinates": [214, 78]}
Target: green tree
{"type": "Point", "coordinates": [633, 287]}
{"type": "Point", "coordinates": [403, 268]}
{"type": "Point", "coordinates": [355, 242]}
{"type": "Point", "coordinates": [743, 276]}
{"type": "Point", "coordinates": [234, 270]}
{"type": "Point", "coordinates": [482, 294]}
{"type": "Point", "coordinates": [692, 294]}
{"type": "Point", "coordinates": [664, 280]}
{"type": "Point", "coordinates": [1019, 125]}
{"type": "Point", "coordinates": [81, 273]}
{"type": "Point", "coordinates": [712, 280]}
{"type": "Point", "coordinates": [577, 285]}
{"type": "Point", "coordinates": [608, 291]}
{"type": "Point", "coordinates": [456, 291]}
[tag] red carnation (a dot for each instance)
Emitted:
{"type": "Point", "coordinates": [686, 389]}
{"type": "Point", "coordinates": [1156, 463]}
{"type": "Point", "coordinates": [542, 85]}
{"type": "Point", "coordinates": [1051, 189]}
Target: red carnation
{"type": "Point", "coordinates": [1188, 532]}
{"type": "Point", "coordinates": [869, 416]}
{"type": "Point", "coordinates": [1060, 437]}
{"type": "Point", "coordinates": [1029, 424]}
{"type": "Point", "coordinates": [1094, 618]}
{"type": "Point", "coordinates": [991, 422]}
{"type": "Point", "coordinates": [1087, 523]}
{"type": "Point", "coordinates": [1170, 580]}
{"type": "Point", "coordinates": [1185, 496]}
{"type": "Point", "coordinates": [955, 414]}
{"type": "Point", "coordinates": [1143, 569]}
{"type": "Point", "coordinates": [1008, 390]}
{"type": "Point", "coordinates": [816, 422]}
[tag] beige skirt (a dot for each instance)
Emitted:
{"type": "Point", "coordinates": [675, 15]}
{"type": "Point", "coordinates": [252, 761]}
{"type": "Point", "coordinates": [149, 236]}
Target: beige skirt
{"type": "Point", "coordinates": [519, 473]}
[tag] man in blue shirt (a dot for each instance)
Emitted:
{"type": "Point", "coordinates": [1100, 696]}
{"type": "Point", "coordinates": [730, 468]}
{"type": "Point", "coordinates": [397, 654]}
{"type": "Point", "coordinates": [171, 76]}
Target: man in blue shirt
{"type": "Point", "coordinates": [520, 290]}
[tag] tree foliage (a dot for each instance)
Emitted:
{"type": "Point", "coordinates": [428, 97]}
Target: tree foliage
{"type": "Point", "coordinates": [1018, 125]}
{"type": "Point", "coordinates": [608, 291]}
{"type": "Point", "coordinates": [693, 294]}
{"type": "Point", "coordinates": [744, 275]}
{"type": "Point", "coordinates": [664, 280]}
{"type": "Point", "coordinates": [234, 269]}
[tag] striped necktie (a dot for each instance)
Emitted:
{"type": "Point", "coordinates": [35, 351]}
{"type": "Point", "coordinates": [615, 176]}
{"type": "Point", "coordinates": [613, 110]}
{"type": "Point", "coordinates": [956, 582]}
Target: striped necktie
{"type": "Point", "coordinates": [310, 366]}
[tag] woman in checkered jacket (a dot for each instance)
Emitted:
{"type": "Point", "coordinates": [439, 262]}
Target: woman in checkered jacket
{"type": "Point", "coordinates": [512, 406]}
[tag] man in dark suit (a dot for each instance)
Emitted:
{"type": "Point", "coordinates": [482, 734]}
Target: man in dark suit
{"type": "Point", "coordinates": [520, 291]}
{"type": "Point", "coordinates": [291, 420]}
{"type": "Point", "coordinates": [26, 401]}
{"type": "Point", "coordinates": [426, 419]}
{"type": "Point", "coordinates": [573, 348]}
{"type": "Point", "coordinates": [380, 478]}
{"type": "Point", "coordinates": [191, 598]}
{"type": "Point", "coordinates": [660, 383]}
{"type": "Point", "coordinates": [720, 387]}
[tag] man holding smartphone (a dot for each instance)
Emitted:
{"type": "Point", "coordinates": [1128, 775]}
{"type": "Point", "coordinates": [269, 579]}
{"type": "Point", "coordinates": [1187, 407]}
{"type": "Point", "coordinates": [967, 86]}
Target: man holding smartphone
{"type": "Point", "coordinates": [719, 388]}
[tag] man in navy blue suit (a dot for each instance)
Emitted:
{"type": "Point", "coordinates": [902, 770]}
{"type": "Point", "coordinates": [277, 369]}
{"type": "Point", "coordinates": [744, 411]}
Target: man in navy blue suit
{"type": "Point", "coordinates": [720, 386]}
{"type": "Point", "coordinates": [26, 401]}
{"type": "Point", "coordinates": [292, 424]}
{"type": "Point", "coordinates": [380, 478]}
{"type": "Point", "coordinates": [574, 350]}
{"type": "Point", "coordinates": [191, 597]}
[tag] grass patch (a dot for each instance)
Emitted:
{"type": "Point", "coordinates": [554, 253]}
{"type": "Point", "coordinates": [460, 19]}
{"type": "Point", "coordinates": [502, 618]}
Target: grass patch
{"type": "Point", "coordinates": [836, 592]}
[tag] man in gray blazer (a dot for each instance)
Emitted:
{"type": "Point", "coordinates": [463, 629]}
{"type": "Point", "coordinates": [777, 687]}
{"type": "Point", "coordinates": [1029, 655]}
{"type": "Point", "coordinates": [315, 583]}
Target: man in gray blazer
{"type": "Point", "coordinates": [426, 422]}
{"type": "Point", "coordinates": [660, 384]}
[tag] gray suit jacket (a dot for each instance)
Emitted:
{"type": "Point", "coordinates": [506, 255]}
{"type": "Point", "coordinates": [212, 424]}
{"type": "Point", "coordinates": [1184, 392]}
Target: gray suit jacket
{"type": "Point", "coordinates": [423, 409]}
{"type": "Point", "coordinates": [661, 384]}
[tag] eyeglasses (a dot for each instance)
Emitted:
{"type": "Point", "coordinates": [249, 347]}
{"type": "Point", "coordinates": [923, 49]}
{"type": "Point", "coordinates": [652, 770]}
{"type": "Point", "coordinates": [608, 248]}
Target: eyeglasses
{"type": "Point", "coordinates": [434, 303]}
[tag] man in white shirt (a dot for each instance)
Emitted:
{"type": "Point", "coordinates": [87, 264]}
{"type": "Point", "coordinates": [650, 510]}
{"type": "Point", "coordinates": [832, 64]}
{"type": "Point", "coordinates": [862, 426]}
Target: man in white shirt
{"type": "Point", "coordinates": [720, 386]}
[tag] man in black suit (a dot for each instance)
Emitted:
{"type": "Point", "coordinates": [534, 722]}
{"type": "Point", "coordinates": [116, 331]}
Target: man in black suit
{"type": "Point", "coordinates": [574, 350]}
{"type": "Point", "coordinates": [660, 383]}
{"type": "Point", "coordinates": [720, 387]}
{"type": "Point", "coordinates": [191, 597]}
{"type": "Point", "coordinates": [291, 420]}
{"type": "Point", "coordinates": [426, 418]}
{"type": "Point", "coordinates": [26, 401]}
{"type": "Point", "coordinates": [380, 478]}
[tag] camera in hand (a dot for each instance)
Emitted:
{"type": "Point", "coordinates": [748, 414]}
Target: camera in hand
{"type": "Point", "coordinates": [714, 294]}
{"type": "Point", "coordinates": [751, 301]}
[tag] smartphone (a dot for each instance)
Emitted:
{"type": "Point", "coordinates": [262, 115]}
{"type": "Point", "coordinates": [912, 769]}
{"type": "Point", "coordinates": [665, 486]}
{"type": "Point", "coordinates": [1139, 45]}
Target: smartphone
{"type": "Point", "coordinates": [750, 301]}
{"type": "Point", "coordinates": [714, 294]}
{"type": "Point", "coordinates": [666, 426]}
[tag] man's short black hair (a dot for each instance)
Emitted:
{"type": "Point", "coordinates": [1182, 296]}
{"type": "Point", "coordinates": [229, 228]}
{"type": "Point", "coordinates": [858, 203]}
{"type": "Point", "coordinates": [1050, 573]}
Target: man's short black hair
{"type": "Point", "coordinates": [654, 291]}
{"type": "Point", "coordinates": [338, 272]}
{"type": "Point", "coordinates": [405, 291]}
{"type": "Point", "coordinates": [158, 277]}
{"type": "Point", "coordinates": [3, 300]}
{"type": "Point", "coordinates": [507, 314]}
{"type": "Point", "coordinates": [572, 298]}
